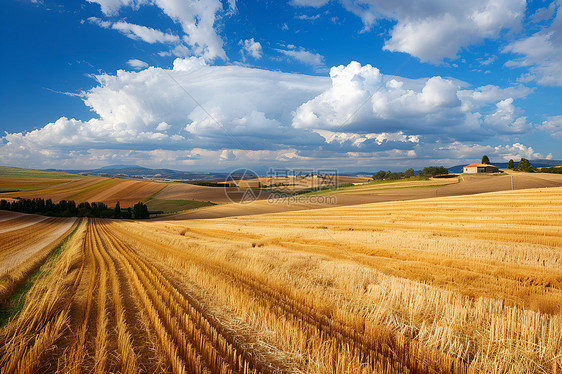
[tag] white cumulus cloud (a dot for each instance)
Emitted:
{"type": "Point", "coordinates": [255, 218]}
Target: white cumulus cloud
{"type": "Point", "coordinates": [517, 151]}
{"type": "Point", "coordinates": [362, 99]}
{"type": "Point", "coordinates": [198, 114]}
{"type": "Point", "coordinates": [137, 32]}
{"type": "Point", "coordinates": [137, 64]}
{"type": "Point", "coordinates": [434, 30]}
{"type": "Point", "coordinates": [504, 119]}
{"type": "Point", "coordinates": [252, 48]}
{"type": "Point", "coordinates": [196, 17]}
{"type": "Point", "coordinates": [541, 53]}
{"type": "Point", "coordinates": [485, 95]}
{"type": "Point", "coordinates": [315, 60]}
{"type": "Point", "coordinates": [553, 126]}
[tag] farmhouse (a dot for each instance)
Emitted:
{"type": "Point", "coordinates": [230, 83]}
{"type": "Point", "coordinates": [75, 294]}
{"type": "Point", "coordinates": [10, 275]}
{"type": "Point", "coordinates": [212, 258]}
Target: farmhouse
{"type": "Point", "coordinates": [480, 168]}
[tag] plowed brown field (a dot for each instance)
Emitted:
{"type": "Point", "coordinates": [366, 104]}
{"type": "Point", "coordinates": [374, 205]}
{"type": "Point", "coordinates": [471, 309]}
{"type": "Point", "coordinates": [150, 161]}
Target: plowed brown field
{"type": "Point", "coordinates": [90, 189]}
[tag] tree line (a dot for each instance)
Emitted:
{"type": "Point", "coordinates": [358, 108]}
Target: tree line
{"type": "Point", "coordinates": [429, 171]}
{"type": "Point", "coordinates": [525, 165]}
{"type": "Point", "coordinates": [552, 170]}
{"type": "Point", "coordinates": [522, 165]}
{"type": "Point", "coordinates": [68, 208]}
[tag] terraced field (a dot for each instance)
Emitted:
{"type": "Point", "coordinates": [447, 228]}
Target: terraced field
{"type": "Point", "coordinates": [444, 285]}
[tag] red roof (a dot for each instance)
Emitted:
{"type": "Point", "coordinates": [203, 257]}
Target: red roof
{"type": "Point", "coordinates": [478, 165]}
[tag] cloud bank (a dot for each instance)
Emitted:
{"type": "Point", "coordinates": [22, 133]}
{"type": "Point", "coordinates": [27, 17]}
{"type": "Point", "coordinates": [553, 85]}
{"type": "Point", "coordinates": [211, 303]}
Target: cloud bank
{"type": "Point", "coordinates": [206, 116]}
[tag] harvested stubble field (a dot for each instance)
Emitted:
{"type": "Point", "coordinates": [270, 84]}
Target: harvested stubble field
{"type": "Point", "coordinates": [26, 241]}
{"type": "Point", "coordinates": [449, 285]}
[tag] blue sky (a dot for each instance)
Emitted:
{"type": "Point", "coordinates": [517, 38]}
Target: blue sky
{"type": "Point", "coordinates": [213, 85]}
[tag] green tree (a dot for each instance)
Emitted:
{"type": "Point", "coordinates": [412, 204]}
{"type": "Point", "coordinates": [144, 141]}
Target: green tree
{"type": "Point", "coordinates": [140, 211]}
{"type": "Point", "coordinates": [117, 211]}
{"type": "Point", "coordinates": [379, 175]}
{"type": "Point", "coordinates": [524, 165]}
{"type": "Point", "coordinates": [485, 160]}
{"type": "Point", "coordinates": [409, 173]}
{"type": "Point", "coordinates": [434, 170]}
{"type": "Point", "coordinates": [511, 164]}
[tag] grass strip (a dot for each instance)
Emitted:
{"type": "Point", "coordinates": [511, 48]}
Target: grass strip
{"type": "Point", "coordinates": [7, 171]}
{"type": "Point", "coordinates": [16, 303]}
{"type": "Point", "coordinates": [156, 193]}
{"type": "Point", "coordinates": [175, 206]}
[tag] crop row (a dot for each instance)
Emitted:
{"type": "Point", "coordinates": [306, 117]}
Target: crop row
{"type": "Point", "coordinates": [372, 347]}
{"type": "Point", "coordinates": [191, 341]}
{"type": "Point", "coordinates": [439, 328]}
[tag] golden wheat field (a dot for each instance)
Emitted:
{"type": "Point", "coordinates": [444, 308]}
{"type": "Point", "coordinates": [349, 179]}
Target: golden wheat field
{"type": "Point", "coordinates": [462, 284]}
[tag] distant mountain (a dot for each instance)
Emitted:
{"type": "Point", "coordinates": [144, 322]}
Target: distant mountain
{"type": "Point", "coordinates": [503, 165]}
{"type": "Point", "coordinates": [134, 171]}
{"type": "Point", "coordinates": [545, 163]}
{"type": "Point", "coordinates": [118, 167]}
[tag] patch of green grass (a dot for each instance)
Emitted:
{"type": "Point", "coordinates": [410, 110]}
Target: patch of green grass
{"type": "Point", "coordinates": [17, 301]}
{"type": "Point", "coordinates": [405, 187]}
{"type": "Point", "coordinates": [396, 186]}
{"type": "Point", "coordinates": [19, 189]}
{"type": "Point", "coordinates": [172, 206]}
{"type": "Point", "coordinates": [323, 189]}
{"type": "Point", "coordinates": [8, 171]}
{"type": "Point", "coordinates": [411, 179]}
{"type": "Point", "coordinates": [6, 190]}
{"type": "Point", "coordinates": [156, 193]}
{"type": "Point", "coordinates": [552, 170]}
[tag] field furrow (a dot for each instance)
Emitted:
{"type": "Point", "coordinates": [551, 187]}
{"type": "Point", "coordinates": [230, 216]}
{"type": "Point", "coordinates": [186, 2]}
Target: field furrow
{"type": "Point", "coordinates": [200, 344]}
{"type": "Point", "coordinates": [122, 343]}
{"type": "Point", "coordinates": [374, 347]}
{"type": "Point", "coordinates": [83, 309]}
